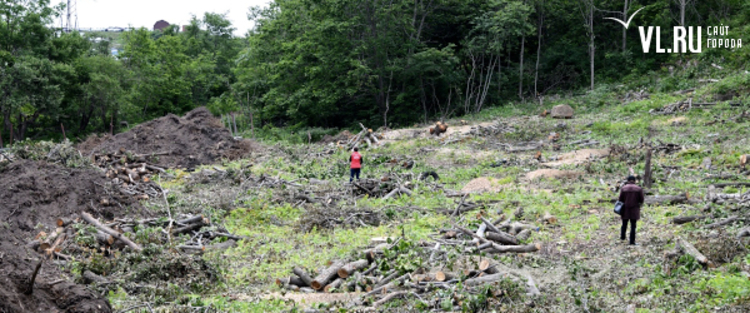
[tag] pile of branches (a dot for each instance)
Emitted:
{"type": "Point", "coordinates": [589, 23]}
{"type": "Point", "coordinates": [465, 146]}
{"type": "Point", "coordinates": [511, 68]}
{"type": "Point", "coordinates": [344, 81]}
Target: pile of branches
{"type": "Point", "coordinates": [365, 136]}
{"type": "Point", "coordinates": [491, 130]}
{"type": "Point", "coordinates": [379, 188]}
{"type": "Point", "coordinates": [111, 236]}
{"type": "Point", "coordinates": [328, 218]}
{"type": "Point", "coordinates": [631, 96]}
{"type": "Point", "coordinates": [131, 172]}
{"type": "Point", "coordinates": [680, 106]}
{"type": "Point", "coordinates": [377, 272]}
{"type": "Point", "coordinates": [62, 153]}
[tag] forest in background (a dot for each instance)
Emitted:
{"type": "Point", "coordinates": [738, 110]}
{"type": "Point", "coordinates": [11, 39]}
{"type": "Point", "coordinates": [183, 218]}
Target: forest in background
{"type": "Point", "coordinates": [335, 63]}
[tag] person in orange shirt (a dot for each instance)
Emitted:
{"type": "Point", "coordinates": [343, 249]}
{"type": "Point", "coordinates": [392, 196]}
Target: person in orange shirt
{"type": "Point", "coordinates": [355, 160]}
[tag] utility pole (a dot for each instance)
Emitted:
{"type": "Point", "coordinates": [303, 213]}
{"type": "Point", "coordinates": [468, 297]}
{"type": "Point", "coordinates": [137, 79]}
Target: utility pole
{"type": "Point", "coordinates": [71, 16]}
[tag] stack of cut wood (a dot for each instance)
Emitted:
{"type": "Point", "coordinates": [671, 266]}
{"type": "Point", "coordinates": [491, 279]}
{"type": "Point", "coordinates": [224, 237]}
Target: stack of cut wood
{"type": "Point", "coordinates": [667, 148]}
{"type": "Point", "coordinates": [680, 106]}
{"type": "Point", "coordinates": [379, 188]}
{"type": "Point", "coordinates": [439, 128]}
{"type": "Point", "coordinates": [131, 172]}
{"type": "Point", "coordinates": [491, 130]}
{"type": "Point", "coordinates": [366, 275]}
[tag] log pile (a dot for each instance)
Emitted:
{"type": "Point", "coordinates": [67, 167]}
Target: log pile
{"type": "Point", "coordinates": [379, 188]}
{"type": "Point", "coordinates": [680, 106]}
{"type": "Point", "coordinates": [130, 172]}
{"type": "Point", "coordinates": [114, 235]}
{"type": "Point", "coordinates": [367, 275]}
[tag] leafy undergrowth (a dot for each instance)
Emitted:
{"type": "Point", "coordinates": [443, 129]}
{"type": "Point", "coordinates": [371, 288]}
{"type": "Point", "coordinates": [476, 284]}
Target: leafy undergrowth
{"type": "Point", "coordinates": [583, 266]}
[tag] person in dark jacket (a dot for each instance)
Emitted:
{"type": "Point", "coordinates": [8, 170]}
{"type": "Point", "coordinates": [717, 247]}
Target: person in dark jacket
{"type": "Point", "coordinates": [355, 161]}
{"type": "Point", "coordinates": [631, 195]}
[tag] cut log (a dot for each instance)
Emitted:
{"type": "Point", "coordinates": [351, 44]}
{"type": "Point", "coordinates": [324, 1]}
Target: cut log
{"type": "Point", "coordinates": [57, 242]}
{"type": "Point", "coordinates": [374, 253]}
{"type": "Point", "coordinates": [333, 285]}
{"type": "Point", "coordinates": [104, 239]}
{"type": "Point", "coordinates": [515, 249]}
{"type": "Point", "coordinates": [502, 237]}
{"type": "Point", "coordinates": [291, 280]}
{"type": "Point", "coordinates": [444, 276]}
{"type": "Point", "coordinates": [192, 220]}
{"type": "Point", "coordinates": [352, 267]}
{"type": "Point", "coordinates": [687, 219]}
{"type": "Point", "coordinates": [91, 220]}
{"type": "Point", "coordinates": [524, 235]}
{"type": "Point", "coordinates": [678, 199]}
{"type": "Point", "coordinates": [723, 222]}
{"type": "Point", "coordinates": [63, 222]}
{"type": "Point", "coordinates": [688, 248]}
{"type": "Point", "coordinates": [326, 275]}
{"type": "Point", "coordinates": [486, 266]}
{"type": "Point", "coordinates": [188, 229]}
{"type": "Point", "coordinates": [302, 276]}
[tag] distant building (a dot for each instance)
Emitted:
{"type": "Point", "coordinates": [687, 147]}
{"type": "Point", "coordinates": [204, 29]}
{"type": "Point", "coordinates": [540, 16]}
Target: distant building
{"type": "Point", "coordinates": [161, 25]}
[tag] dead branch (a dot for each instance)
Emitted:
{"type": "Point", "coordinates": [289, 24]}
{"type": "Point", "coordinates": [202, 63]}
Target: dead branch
{"type": "Point", "coordinates": [91, 220]}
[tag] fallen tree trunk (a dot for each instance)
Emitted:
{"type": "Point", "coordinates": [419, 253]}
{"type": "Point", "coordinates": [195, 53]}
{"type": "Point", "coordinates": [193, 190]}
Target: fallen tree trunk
{"type": "Point", "coordinates": [302, 276]}
{"type": "Point", "coordinates": [687, 219]}
{"type": "Point", "coordinates": [352, 267]}
{"type": "Point", "coordinates": [63, 222]}
{"type": "Point", "coordinates": [678, 199]}
{"type": "Point", "coordinates": [515, 249]}
{"type": "Point", "coordinates": [188, 229]}
{"type": "Point", "coordinates": [688, 248]}
{"type": "Point", "coordinates": [322, 279]}
{"type": "Point", "coordinates": [191, 220]}
{"type": "Point", "coordinates": [502, 237]}
{"type": "Point", "coordinates": [291, 280]}
{"type": "Point", "coordinates": [91, 220]}
{"type": "Point", "coordinates": [726, 221]}
{"type": "Point", "coordinates": [384, 288]}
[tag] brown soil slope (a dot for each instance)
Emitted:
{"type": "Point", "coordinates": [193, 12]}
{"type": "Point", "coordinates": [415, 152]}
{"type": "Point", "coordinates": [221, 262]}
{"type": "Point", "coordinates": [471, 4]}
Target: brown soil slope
{"type": "Point", "coordinates": [183, 142]}
{"type": "Point", "coordinates": [33, 194]}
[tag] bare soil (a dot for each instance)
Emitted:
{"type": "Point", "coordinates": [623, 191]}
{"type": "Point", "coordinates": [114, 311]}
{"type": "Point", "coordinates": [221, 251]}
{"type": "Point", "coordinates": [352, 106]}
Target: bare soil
{"type": "Point", "coordinates": [578, 157]}
{"type": "Point", "coordinates": [198, 138]}
{"type": "Point", "coordinates": [552, 173]}
{"type": "Point", "coordinates": [33, 194]}
{"type": "Point", "coordinates": [482, 184]}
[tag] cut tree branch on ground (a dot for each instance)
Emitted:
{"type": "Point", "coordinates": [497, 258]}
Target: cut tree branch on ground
{"type": "Point", "coordinates": [91, 220]}
{"type": "Point", "coordinates": [322, 279]}
{"type": "Point", "coordinates": [687, 219]}
{"type": "Point", "coordinates": [689, 249]}
{"type": "Point", "coordinates": [723, 222]}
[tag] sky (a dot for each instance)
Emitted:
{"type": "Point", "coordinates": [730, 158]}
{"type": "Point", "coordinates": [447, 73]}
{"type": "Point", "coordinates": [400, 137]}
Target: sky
{"type": "Point", "coordinates": [143, 13]}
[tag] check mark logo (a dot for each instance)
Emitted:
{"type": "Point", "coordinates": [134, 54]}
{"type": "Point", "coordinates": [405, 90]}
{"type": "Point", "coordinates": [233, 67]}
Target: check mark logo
{"type": "Point", "coordinates": [623, 23]}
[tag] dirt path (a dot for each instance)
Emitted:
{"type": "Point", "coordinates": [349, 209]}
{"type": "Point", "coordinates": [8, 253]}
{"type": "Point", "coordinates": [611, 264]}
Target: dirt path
{"type": "Point", "coordinates": [304, 300]}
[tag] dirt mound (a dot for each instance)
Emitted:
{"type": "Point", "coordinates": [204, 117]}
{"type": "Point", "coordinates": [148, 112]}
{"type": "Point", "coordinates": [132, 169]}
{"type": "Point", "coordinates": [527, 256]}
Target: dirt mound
{"type": "Point", "coordinates": [552, 173]}
{"type": "Point", "coordinates": [183, 142]}
{"type": "Point", "coordinates": [577, 157]}
{"type": "Point", "coordinates": [482, 184]}
{"type": "Point", "coordinates": [33, 195]}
